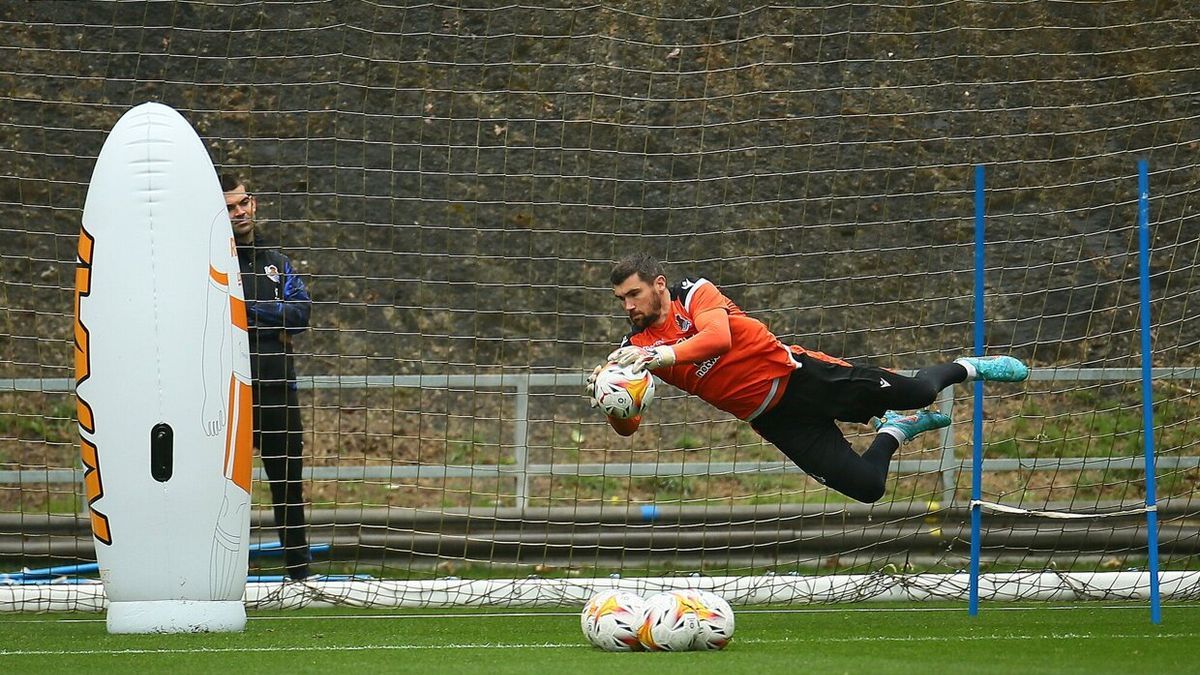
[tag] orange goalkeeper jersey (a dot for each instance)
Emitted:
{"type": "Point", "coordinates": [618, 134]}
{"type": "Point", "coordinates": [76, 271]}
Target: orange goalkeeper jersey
{"type": "Point", "coordinates": [744, 381]}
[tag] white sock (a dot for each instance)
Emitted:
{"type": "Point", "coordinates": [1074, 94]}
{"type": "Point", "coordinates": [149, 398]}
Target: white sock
{"type": "Point", "coordinates": [972, 374]}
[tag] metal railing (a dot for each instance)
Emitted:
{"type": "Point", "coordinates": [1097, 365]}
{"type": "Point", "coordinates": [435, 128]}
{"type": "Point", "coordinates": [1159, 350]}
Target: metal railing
{"type": "Point", "coordinates": [522, 470]}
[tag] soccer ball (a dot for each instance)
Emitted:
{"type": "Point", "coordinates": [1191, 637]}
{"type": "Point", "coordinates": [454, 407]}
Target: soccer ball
{"type": "Point", "coordinates": [622, 393]}
{"type": "Point", "coordinates": [716, 621]}
{"type": "Point", "coordinates": [671, 622]}
{"type": "Point", "coordinates": [610, 620]}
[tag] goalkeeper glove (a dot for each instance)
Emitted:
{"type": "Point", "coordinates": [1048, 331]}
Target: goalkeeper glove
{"type": "Point", "coordinates": [590, 388]}
{"type": "Point", "coordinates": [643, 358]}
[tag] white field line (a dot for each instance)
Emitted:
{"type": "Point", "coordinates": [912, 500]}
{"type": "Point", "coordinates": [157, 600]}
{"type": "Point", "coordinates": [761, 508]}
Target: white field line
{"type": "Point", "coordinates": [582, 645]}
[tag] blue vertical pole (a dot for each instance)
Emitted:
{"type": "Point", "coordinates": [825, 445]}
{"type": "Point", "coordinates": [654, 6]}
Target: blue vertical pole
{"type": "Point", "coordinates": [977, 439]}
{"type": "Point", "coordinates": [1147, 390]}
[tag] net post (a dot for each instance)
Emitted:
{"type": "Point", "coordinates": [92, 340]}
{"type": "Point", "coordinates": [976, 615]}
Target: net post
{"type": "Point", "coordinates": [1147, 384]}
{"type": "Point", "coordinates": [949, 465]}
{"type": "Point", "coordinates": [977, 421]}
{"type": "Point", "coordinates": [521, 442]}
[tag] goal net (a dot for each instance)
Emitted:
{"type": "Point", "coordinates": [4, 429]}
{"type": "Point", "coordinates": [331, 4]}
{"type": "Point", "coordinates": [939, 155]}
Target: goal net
{"type": "Point", "coordinates": [454, 181]}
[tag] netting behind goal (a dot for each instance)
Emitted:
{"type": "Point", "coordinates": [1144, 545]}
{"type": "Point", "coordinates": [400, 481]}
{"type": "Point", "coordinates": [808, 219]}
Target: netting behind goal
{"type": "Point", "coordinates": [454, 181]}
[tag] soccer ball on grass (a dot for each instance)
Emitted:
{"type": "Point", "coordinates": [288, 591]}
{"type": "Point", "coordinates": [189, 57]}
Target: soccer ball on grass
{"type": "Point", "coordinates": [610, 620]}
{"type": "Point", "coordinates": [684, 620]}
{"type": "Point", "coordinates": [715, 617]}
{"type": "Point", "coordinates": [670, 623]}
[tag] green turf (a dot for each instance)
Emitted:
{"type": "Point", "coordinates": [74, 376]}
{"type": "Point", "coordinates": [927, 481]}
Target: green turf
{"type": "Point", "coordinates": [1080, 638]}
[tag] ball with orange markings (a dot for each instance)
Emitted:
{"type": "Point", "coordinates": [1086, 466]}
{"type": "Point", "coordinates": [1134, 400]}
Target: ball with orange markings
{"type": "Point", "coordinates": [671, 622]}
{"type": "Point", "coordinates": [610, 620]}
{"type": "Point", "coordinates": [622, 393]}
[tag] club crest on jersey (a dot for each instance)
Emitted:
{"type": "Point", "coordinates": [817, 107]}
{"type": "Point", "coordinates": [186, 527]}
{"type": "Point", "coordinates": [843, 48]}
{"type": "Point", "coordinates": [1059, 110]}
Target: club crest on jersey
{"type": "Point", "coordinates": [272, 273]}
{"type": "Point", "coordinates": [682, 322]}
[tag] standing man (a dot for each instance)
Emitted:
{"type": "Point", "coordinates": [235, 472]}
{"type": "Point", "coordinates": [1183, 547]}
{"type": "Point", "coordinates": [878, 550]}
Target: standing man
{"type": "Point", "coordinates": [695, 338]}
{"type": "Point", "coordinates": [277, 308]}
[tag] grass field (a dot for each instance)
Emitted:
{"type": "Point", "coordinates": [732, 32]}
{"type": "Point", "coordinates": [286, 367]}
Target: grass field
{"type": "Point", "coordinates": [1078, 638]}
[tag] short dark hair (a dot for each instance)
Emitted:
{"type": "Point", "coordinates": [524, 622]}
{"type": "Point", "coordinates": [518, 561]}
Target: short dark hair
{"type": "Point", "coordinates": [644, 265]}
{"type": "Point", "coordinates": [230, 181]}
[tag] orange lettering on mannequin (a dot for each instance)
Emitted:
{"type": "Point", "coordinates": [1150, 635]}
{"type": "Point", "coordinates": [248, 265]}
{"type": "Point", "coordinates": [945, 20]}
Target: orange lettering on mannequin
{"type": "Point", "coordinates": [90, 455]}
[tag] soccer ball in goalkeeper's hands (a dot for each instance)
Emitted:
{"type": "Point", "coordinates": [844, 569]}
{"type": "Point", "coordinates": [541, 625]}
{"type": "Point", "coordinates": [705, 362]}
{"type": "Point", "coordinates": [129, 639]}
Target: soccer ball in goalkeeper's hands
{"type": "Point", "coordinates": [610, 620]}
{"type": "Point", "coordinates": [622, 393]}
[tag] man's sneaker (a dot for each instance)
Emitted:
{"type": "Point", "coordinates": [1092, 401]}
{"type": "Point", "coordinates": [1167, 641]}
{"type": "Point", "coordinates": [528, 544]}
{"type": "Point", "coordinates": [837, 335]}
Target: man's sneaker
{"type": "Point", "coordinates": [994, 368]}
{"type": "Point", "coordinates": [906, 427]}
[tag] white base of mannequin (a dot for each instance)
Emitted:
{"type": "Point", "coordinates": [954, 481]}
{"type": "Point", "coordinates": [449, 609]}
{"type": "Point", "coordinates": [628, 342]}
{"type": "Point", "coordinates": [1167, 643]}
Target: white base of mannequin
{"type": "Point", "coordinates": [177, 616]}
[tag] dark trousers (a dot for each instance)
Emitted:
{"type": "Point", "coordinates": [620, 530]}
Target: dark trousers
{"type": "Point", "coordinates": [278, 435]}
{"type": "Point", "coordinates": [802, 424]}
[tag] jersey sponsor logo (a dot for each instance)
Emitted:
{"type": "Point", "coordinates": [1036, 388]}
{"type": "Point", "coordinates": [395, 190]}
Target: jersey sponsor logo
{"type": "Point", "coordinates": [706, 366]}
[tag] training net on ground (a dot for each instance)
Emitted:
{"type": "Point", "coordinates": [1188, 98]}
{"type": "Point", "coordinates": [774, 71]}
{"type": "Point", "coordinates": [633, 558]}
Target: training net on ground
{"type": "Point", "coordinates": [454, 182]}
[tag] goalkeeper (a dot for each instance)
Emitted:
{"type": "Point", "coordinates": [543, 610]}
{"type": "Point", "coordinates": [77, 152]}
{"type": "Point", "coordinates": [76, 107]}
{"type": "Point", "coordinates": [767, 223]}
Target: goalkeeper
{"type": "Point", "coordinates": [698, 340]}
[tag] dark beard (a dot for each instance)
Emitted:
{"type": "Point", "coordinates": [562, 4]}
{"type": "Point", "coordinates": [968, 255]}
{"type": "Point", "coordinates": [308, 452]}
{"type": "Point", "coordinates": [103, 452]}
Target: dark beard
{"type": "Point", "coordinates": [649, 319]}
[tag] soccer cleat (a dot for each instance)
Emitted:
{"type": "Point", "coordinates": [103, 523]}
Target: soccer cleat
{"type": "Point", "coordinates": [906, 427]}
{"type": "Point", "coordinates": [995, 368]}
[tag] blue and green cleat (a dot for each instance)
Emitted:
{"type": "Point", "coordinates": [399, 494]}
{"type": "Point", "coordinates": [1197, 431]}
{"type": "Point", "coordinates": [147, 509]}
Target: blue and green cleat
{"type": "Point", "coordinates": [994, 368]}
{"type": "Point", "coordinates": [911, 424]}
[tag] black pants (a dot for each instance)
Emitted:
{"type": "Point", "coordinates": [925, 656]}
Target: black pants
{"type": "Point", "coordinates": [802, 424]}
{"type": "Point", "coordinates": [278, 435]}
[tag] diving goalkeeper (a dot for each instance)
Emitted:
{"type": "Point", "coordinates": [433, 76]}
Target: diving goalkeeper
{"type": "Point", "coordinates": [698, 340]}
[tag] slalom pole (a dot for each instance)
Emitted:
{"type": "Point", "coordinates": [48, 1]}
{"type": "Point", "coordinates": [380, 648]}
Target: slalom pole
{"type": "Point", "coordinates": [274, 549]}
{"type": "Point", "coordinates": [51, 572]}
{"type": "Point", "coordinates": [77, 569]}
{"type": "Point", "coordinates": [1147, 385]}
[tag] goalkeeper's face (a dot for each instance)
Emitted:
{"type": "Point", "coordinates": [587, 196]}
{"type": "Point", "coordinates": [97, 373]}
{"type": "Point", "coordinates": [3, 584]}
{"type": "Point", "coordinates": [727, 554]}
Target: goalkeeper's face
{"type": "Point", "coordinates": [643, 301]}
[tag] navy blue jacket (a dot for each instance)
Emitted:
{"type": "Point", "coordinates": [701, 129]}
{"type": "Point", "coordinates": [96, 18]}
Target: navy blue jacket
{"type": "Point", "coordinates": [277, 308]}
